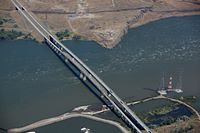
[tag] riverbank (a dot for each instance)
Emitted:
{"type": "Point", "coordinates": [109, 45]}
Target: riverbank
{"type": "Point", "coordinates": [64, 117]}
{"type": "Point", "coordinates": [191, 125]}
{"type": "Point", "coordinates": [110, 20]}
{"type": "Point", "coordinates": [84, 111]}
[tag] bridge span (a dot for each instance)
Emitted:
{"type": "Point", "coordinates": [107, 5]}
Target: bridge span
{"type": "Point", "coordinates": [107, 95]}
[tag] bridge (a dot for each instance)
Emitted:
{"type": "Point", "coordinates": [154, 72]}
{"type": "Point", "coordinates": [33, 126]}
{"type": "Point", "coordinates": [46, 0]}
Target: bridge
{"type": "Point", "coordinates": [107, 95]}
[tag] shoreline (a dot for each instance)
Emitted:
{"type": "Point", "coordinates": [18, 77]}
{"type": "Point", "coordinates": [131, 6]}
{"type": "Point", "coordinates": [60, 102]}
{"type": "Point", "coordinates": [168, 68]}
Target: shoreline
{"type": "Point", "coordinates": [135, 25]}
{"type": "Point", "coordinates": [66, 116]}
{"type": "Point", "coordinates": [81, 111]}
{"type": "Point", "coordinates": [115, 41]}
{"type": "Point", "coordinates": [103, 22]}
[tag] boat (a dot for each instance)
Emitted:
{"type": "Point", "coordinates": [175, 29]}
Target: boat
{"type": "Point", "coordinates": [162, 90]}
{"type": "Point", "coordinates": [85, 130]}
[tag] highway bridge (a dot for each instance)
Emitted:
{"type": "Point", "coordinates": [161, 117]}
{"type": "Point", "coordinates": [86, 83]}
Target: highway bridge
{"type": "Point", "coordinates": [85, 73]}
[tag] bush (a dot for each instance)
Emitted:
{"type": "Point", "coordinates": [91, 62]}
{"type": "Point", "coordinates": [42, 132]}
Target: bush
{"type": "Point", "coordinates": [64, 34]}
{"type": "Point", "coordinates": [1, 22]}
{"type": "Point", "coordinates": [76, 37]}
{"type": "Point", "coordinates": [4, 20]}
{"type": "Point", "coordinates": [9, 35]}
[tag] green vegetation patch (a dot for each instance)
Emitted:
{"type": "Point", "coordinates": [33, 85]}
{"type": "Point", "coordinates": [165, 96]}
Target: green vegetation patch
{"type": "Point", "coordinates": [4, 20]}
{"type": "Point", "coordinates": [188, 99]}
{"type": "Point", "coordinates": [162, 110]}
{"type": "Point", "coordinates": [67, 35]}
{"type": "Point", "coordinates": [9, 35]}
{"type": "Point", "coordinates": [1, 22]}
{"type": "Point", "coordinates": [157, 117]}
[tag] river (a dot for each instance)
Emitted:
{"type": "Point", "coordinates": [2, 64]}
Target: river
{"type": "Point", "coordinates": [35, 84]}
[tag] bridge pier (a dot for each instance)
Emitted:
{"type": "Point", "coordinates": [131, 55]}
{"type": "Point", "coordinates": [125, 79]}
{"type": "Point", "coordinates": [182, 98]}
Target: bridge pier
{"type": "Point", "coordinates": [55, 50]}
{"type": "Point", "coordinates": [59, 53]}
{"type": "Point", "coordinates": [102, 96]}
{"type": "Point", "coordinates": [81, 75]}
{"type": "Point", "coordinates": [84, 78]}
{"type": "Point", "coordinates": [73, 60]}
{"type": "Point", "coordinates": [66, 61]}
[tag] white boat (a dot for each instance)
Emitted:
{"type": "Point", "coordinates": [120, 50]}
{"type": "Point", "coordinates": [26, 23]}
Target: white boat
{"type": "Point", "coordinates": [85, 130]}
{"type": "Point", "coordinates": [162, 92]}
{"type": "Point", "coordinates": [178, 90]}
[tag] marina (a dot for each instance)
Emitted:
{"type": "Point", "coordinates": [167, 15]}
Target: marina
{"type": "Point", "coordinates": [170, 88]}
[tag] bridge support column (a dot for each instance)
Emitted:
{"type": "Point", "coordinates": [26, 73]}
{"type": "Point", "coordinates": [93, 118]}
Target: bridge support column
{"type": "Point", "coordinates": [125, 120]}
{"type": "Point", "coordinates": [84, 78]}
{"type": "Point", "coordinates": [81, 76]}
{"type": "Point", "coordinates": [72, 59]}
{"type": "Point", "coordinates": [66, 60]}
